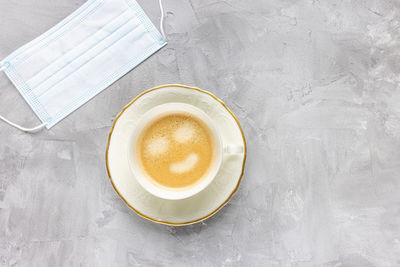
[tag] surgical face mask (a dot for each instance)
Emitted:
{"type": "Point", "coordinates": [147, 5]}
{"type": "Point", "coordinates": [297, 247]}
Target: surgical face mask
{"type": "Point", "coordinates": [82, 55]}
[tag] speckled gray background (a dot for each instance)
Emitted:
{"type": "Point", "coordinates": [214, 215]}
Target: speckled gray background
{"type": "Point", "coordinates": [315, 85]}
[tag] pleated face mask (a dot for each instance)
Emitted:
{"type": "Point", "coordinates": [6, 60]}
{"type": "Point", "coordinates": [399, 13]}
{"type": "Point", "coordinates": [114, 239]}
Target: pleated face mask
{"type": "Point", "coordinates": [82, 55]}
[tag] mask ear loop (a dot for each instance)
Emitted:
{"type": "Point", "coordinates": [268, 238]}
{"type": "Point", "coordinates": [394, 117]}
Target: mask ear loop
{"type": "Point", "coordinates": [27, 130]}
{"type": "Point", "coordinates": [162, 19]}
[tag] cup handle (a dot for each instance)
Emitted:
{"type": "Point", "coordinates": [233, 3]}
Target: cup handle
{"type": "Point", "coordinates": [233, 149]}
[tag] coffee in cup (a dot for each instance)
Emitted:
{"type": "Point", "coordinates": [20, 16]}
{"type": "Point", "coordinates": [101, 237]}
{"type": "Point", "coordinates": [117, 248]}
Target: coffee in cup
{"type": "Point", "coordinates": [175, 150]}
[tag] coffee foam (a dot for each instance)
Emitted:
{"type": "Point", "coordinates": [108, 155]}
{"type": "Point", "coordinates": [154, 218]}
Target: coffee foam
{"type": "Point", "coordinates": [185, 165]}
{"type": "Point", "coordinates": [184, 133]}
{"type": "Point", "coordinates": [157, 145]}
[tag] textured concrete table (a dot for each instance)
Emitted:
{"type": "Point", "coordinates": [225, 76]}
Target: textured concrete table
{"type": "Point", "coordinates": [315, 85]}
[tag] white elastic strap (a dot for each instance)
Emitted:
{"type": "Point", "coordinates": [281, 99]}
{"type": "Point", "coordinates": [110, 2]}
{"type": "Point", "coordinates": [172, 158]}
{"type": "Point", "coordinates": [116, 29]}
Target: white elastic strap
{"type": "Point", "coordinates": [162, 19]}
{"type": "Point", "coordinates": [28, 130]}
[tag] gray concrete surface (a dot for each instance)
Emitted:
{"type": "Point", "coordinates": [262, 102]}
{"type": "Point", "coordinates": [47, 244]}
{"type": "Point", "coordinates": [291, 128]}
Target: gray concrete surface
{"type": "Point", "coordinates": [315, 85]}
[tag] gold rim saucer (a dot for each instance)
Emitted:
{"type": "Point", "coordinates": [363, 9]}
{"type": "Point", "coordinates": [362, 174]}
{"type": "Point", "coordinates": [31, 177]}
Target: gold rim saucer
{"type": "Point", "coordinates": [165, 222]}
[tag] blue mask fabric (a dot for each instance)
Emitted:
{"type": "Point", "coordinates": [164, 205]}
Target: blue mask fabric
{"type": "Point", "coordinates": [79, 57]}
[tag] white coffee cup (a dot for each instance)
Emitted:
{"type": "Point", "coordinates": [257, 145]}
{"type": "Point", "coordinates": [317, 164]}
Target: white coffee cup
{"type": "Point", "coordinates": [177, 193]}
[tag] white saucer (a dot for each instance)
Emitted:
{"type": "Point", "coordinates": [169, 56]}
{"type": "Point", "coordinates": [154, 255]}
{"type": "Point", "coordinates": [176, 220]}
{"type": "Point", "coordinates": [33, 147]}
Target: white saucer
{"type": "Point", "coordinates": [185, 211]}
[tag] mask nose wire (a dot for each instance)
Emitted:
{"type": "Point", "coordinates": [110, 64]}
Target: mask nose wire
{"type": "Point", "coordinates": [19, 127]}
